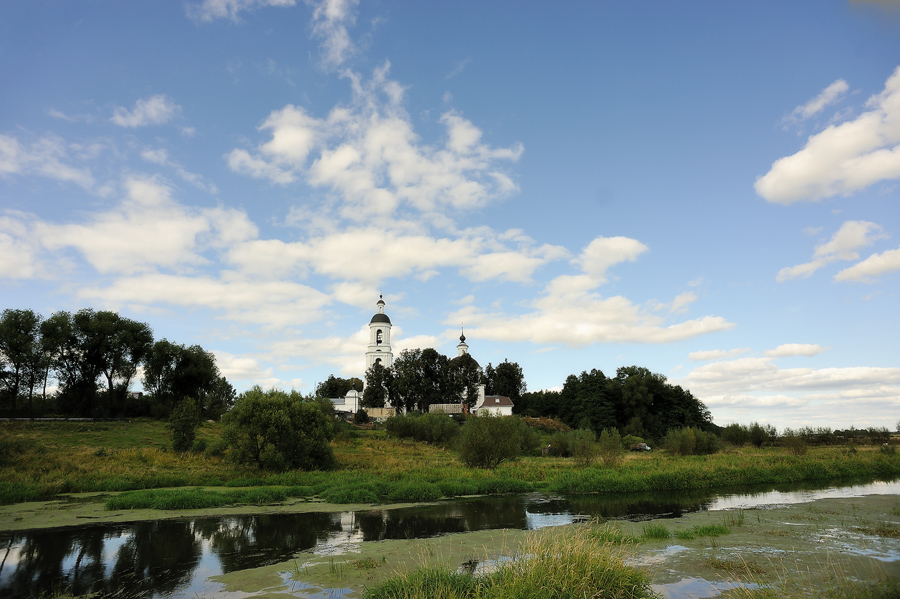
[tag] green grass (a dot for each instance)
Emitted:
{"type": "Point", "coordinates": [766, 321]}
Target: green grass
{"type": "Point", "coordinates": [655, 532]}
{"type": "Point", "coordinates": [45, 459]}
{"type": "Point", "coordinates": [555, 564]}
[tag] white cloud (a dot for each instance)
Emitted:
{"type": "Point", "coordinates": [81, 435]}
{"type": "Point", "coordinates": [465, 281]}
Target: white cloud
{"type": "Point", "coordinates": [18, 247]}
{"type": "Point", "coordinates": [210, 10]}
{"type": "Point", "coordinates": [267, 303]}
{"type": "Point", "coordinates": [161, 157]}
{"type": "Point", "coordinates": [736, 389]}
{"type": "Point", "coordinates": [47, 157]}
{"type": "Point", "coordinates": [843, 245]}
{"type": "Point", "coordinates": [370, 157]}
{"type": "Point", "coordinates": [873, 266]}
{"type": "Point", "coordinates": [330, 21]}
{"type": "Point", "coordinates": [569, 312]}
{"type": "Point", "coordinates": [828, 96]}
{"type": "Point", "coordinates": [156, 110]}
{"type": "Point", "coordinates": [241, 368]}
{"type": "Point", "coordinates": [147, 231]}
{"type": "Point", "coordinates": [716, 354]}
{"type": "Point", "coordinates": [795, 349]}
{"type": "Point", "coordinates": [844, 158]}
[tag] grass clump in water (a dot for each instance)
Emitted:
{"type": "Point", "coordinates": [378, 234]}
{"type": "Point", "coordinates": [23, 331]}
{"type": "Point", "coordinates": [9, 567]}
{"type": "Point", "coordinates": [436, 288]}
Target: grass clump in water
{"type": "Point", "coordinates": [554, 564]}
{"type": "Point", "coordinates": [655, 532]}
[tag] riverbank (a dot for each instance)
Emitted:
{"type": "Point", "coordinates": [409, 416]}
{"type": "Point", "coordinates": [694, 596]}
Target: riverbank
{"type": "Point", "coordinates": [44, 460]}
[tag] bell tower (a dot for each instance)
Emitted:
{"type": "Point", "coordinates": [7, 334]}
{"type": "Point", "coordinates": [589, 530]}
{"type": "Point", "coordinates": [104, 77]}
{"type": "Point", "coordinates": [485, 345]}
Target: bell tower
{"type": "Point", "coordinates": [379, 350]}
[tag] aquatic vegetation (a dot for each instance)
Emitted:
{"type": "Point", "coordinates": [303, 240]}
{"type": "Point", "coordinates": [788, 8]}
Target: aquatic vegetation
{"type": "Point", "coordinates": [556, 564]}
{"type": "Point", "coordinates": [707, 530]}
{"type": "Point", "coordinates": [655, 532]}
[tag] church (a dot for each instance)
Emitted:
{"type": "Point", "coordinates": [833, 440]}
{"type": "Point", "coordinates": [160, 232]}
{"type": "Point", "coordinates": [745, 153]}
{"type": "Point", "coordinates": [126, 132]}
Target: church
{"type": "Point", "coordinates": [379, 352]}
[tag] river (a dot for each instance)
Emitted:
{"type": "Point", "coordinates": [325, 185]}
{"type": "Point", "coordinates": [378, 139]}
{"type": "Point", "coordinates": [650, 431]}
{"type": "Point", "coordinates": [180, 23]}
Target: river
{"type": "Point", "coordinates": [176, 557]}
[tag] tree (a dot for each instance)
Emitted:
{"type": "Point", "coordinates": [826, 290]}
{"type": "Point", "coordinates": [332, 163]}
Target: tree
{"type": "Point", "coordinates": [20, 353]}
{"type": "Point", "coordinates": [419, 380]}
{"type": "Point", "coordinates": [378, 383]}
{"type": "Point", "coordinates": [183, 422]}
{"type": "Point", "coordinates": [506, 379]}
{"type": "Point", "coordinates": [463, 377]}
{"type": "Point", "coordinates": [338, 387]}
{"type": "Point", "coordinates": [276, 431]}
{"type": "Point", "coordinates": [173, 372]}
{"type": "Point", "coordinates": [121, 344]}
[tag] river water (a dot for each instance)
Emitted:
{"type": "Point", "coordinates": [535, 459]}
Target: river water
{"type": "Point", "coordinates": [175, 557]}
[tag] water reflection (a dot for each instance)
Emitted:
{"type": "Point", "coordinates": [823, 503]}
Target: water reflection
{"type": "Point", "coordinates": [173, 558]}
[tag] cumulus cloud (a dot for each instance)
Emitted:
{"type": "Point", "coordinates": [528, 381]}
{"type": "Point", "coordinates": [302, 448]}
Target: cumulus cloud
{"type": "Point", "coordinates": [795, 349]}
{"type": "Point", "coordinates": [369, 156]}
{"type": "Point", "coordinates": [828, 96]}
{"type": "Point", "coordinates": [267, 303]}
{"type": "Point", "coordinates": [872, 267]}
{"type": "Point", "coordinates": [19, 247]}
{"type": "Point", "coordinates": [737, 389]}
{"type": "Point", "coordinates": [572, 313]}
{"type": "Point", "coordinates": [149, 230]}
{"type": "Point", "coordinates": [210, 10]}
{"type": "Point", "coordinates": [843, 245]}
{"type": "Point", "coordinates": [48, 157]}
{"type": "Point", "coordinates": [844, 158]}
{"type": "Point", "coordinates": [155, 110]}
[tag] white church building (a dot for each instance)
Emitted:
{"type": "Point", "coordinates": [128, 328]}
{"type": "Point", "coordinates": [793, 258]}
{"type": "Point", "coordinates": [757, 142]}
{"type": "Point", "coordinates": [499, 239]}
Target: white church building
{"type": "Point", "coordinates": [379, 352]}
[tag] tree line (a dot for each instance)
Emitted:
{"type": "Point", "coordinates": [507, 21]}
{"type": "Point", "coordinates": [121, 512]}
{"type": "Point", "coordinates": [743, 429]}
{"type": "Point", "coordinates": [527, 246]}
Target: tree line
{"type": "Point", "coordinates": [420, 378]}
{"type": "Point", "coordinates": [83, 363]}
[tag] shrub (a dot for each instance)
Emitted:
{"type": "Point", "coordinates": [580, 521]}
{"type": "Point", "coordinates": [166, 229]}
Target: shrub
{"type": "Point", "coordinates": [431, 428]}
{"type": "Point", "coordinates": [736, 434]}
{"type": "Point", "coordinates": [584, 446]}
{"type": "Point", "coordinates": [630, 440]}
{"type": "Point", "coordinates": [793, 442]}
{"type": "Point", "coordinates": [184, 422]}
{"type": "Point", "coordinates": [560, 444]}
{"type": "Point", "coordinates": [485, 441]}
{"type": "Point", "coordinates": [610, 447]}
{"type": "Point", "coordinates": [361, 417]}
{"type": "Point", "coordinates": [276, 431]}
{"type": "Point", "coordinates": [760, 435]}
{"type": "Point", "coordinates": [690, 441]}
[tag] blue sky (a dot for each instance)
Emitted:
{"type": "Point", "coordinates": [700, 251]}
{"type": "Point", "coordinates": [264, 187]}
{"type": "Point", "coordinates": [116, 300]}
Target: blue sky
{"type": "Point", "coordinates": [705, 189]}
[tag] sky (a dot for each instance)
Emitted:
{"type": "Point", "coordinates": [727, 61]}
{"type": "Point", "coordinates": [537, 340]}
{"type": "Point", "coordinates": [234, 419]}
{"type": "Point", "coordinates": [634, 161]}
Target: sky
{"type": "Point", "coordinates": [705, 189]}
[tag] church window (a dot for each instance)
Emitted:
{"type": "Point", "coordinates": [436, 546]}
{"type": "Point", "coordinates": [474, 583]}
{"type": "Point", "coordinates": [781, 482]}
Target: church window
{"type": "Point", "coordinates": [378, 337]}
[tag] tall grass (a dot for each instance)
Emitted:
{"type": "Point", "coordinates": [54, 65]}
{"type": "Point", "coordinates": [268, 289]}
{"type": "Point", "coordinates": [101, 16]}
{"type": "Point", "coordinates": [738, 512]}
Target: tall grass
{"type": "Point", "coordinates": [554, 564]}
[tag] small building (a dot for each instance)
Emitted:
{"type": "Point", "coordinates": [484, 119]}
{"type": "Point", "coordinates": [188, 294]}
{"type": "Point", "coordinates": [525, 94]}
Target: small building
{"type": "Point", "coordinates": [495, 405]}
{"type": "Point", "coordinates": [349, 404]}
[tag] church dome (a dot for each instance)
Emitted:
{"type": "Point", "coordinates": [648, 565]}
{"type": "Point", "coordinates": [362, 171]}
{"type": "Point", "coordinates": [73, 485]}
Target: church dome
{"type": "Point", "coordinates": [380, 318]}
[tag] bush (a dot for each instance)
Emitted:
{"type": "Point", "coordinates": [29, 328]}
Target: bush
{"type": "Point", "coordinates": [794, 442]}
{"type": "Point", "coordinates": [485, 441]}
{"type": "Point", "coordinates": [277, 431]}
{"type": "Point", "coordinates": [690, 441]}
{"type": "Point", "coordinates": [560, 444]}
{"type": "Point", "coordinates": [760, 435]}
{"type": "Point", "coordinates": [736, 434]}
{"type": "Point", "coordinates": [437, 429]}
{"type": "Point", "coordinates": [361, 417]}
{"type": "Point", "coordinates": [584, 446]}
{"type": "Point", "coordinates": [610, 447]}
{"type": "Point", "coordinates": [184, 422]}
